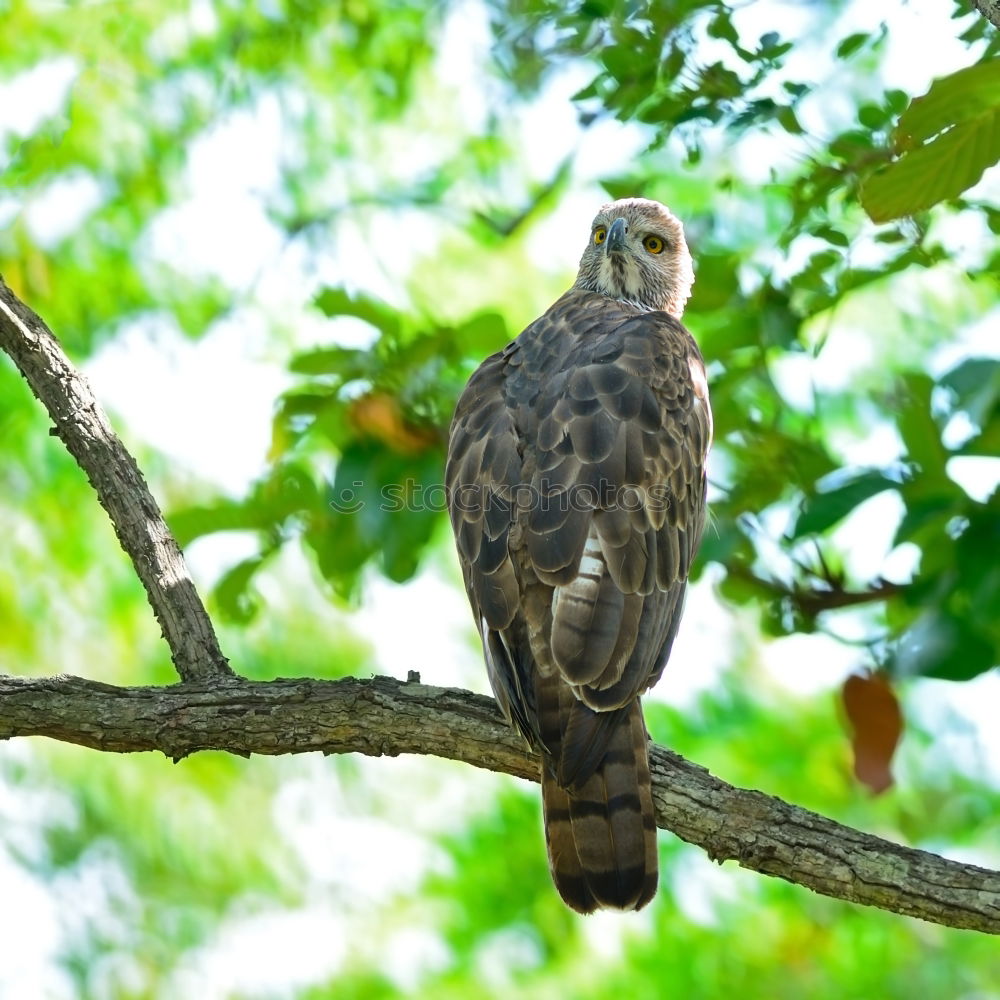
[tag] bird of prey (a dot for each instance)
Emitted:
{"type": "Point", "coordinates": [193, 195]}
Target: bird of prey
{"type": "Point", "coordinates": [576, 490]}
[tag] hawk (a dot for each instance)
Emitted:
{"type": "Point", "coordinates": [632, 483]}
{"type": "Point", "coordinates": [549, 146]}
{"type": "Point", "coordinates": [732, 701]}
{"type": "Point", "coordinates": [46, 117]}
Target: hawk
{"type": "Point", "coordinates": [576, 491]}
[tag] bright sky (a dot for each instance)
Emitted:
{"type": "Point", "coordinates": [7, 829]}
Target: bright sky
{"type": "Point", "coordinates": [221, 433]}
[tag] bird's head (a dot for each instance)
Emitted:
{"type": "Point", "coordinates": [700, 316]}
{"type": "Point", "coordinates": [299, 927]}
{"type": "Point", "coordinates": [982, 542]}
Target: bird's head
{"type": "Point", "coordinates": [637, 253]}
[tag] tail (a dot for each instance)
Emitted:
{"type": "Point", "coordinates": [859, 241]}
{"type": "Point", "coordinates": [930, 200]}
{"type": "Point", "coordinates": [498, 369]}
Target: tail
{"type": "Point", "coordinates": [600, 829]}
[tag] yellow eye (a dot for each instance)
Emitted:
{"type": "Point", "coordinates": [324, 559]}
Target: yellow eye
{"type": "Point", "coordinates": [653, 244]}
{"type": "Point", "coordinates": [600, 234]}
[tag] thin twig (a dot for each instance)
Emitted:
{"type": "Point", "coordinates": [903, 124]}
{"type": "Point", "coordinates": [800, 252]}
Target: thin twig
{"type": "Point", "coordinates": [811, 601]}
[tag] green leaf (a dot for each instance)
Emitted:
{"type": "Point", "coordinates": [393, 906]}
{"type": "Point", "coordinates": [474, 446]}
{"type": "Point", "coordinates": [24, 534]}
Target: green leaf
{"type": "Point", "coordinates": [976, 600]}
{"type": "Point", "coordinates": [723, 543]}
{"type": "Point", "coordinates": [976, 384]}
{"type": "Point", "coordinates": [825, 509]}
{"type": "Point", "coordinates": [779, 322]}
{"type": "Point", "coordinates": [382, 505]}
{"type": "Point", "coordinates": [771, 46]}
{"type": "Point", "coordinates": [721, 26]}
{"type": "Point", "coordinates": [619, 60]}
{"type": "Point", "coordinates": [227, 515]}
{"type": "Point", "coordinates": [406, 535]}
{"type": "Point", "coordinates": [872, 116]}
{"type": "Point", "coordinates": [920, 433]}
{"type": "Point", "coordinates": [831, 235]}
{"type": "Point", "coordinates": [941, 645]}
{"type": "Point", "coordinates": [986, 443]}
{"type": "Point", "coordinates": [897, 100]}
{"type": "Point", "coordinates": [237, 602]}
{"type": "Point", "coordinates": [942, 169]}
{"type": "Point", "coordinates": [925, 517]}
{"type": "Point", "coordinates": [849, 45]}
{"type": "Point", "coordinates": [594, 9]}
{"type": "Point", "coordinates": [483, 334]}
{"type": "Point", "coordinates": [717, 281]}
{"type": "Point", "coordinates": [745, 588]}
{"type": "Point", "coordinates": [788, 121]}
{"type": "Point", "coordinates": [961, 97]}
{"type": "Point", "coordinates": [960, 114]}
{"type": "Point", "coordinates": [337, 302]}
{"type": "Point", "coordinates": [347, 362]}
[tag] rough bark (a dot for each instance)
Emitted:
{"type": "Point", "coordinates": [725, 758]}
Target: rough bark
{"type": "Point", "coordinates": [84, 428]}
{"type": "Point", "coordinates": [990, 9]}
{"type": "Point", "coordinates": [381, 716]}
{"type": "Point", "coordinates": [386, 717]}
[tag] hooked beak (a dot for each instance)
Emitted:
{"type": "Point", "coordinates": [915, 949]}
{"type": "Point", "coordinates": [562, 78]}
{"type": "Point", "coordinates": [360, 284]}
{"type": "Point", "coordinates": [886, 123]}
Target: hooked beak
{"type": "Point", "coordinates": [616, 236]}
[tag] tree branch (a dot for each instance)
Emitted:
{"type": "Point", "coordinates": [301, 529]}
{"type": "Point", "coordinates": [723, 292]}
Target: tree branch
{"type": "Point", "coordinates": [87, 433]}
{"type": "Point", "coordinates": [990, 9]}
{"type": "Point", "coordinates": [383, 716]}
{"type": "Point", "coordinates": [812, 601]}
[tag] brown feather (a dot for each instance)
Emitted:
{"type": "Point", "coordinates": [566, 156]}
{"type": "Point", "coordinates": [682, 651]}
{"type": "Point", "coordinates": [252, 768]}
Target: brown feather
{"type": "Point", "coordinates": [600, 828]}
{"type": "Point", "coordinates": [576, 484]}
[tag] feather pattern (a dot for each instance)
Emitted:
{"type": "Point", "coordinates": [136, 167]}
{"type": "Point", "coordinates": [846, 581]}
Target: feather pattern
{"type": "Point", "coordinates": [576, 484]}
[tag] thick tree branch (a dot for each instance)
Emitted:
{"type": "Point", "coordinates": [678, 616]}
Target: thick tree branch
{"type": "Point", "coordinates": [86, 431]}
{"type": "Point", "coordinates": [990, 9]}
{"type": "Point", "coordinates": [383, 716]}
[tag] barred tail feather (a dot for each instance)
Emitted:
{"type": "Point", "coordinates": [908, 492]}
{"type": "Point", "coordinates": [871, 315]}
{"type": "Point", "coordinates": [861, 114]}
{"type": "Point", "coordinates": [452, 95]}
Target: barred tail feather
{"type": "Point", "coordinates": [601, 832]}
{"type": "Point", "coordinates": [564, 860]}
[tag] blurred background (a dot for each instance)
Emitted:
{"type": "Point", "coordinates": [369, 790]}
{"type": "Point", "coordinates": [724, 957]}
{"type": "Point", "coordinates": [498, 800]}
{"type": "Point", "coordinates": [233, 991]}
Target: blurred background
{"type": "Point", "coordinates": [278, 236]}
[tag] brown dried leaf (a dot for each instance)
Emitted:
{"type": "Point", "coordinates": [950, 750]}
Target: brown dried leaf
{"type": "Point", "coordinates": [877, 724]}
{"type": "Point", "coordinates": [380, 416]}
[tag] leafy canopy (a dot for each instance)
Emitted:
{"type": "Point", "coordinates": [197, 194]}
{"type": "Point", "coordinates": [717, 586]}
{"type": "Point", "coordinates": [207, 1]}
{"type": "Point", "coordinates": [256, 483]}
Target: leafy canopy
{"type": "Point", "coordinates": [838, 296]}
